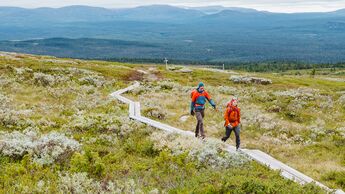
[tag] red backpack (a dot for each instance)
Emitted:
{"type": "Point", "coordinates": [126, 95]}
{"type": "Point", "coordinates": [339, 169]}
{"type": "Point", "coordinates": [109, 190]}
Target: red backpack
{"type": "Point", "coordinates": [192, 93]}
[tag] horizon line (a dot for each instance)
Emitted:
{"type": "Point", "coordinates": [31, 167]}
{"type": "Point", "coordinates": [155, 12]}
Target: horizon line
{"type": "Point", "coordinates": [171, 5]}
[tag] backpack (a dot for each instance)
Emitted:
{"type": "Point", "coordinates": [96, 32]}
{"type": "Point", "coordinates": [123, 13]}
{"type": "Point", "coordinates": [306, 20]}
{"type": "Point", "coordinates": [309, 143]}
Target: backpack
{"type": "Point", "coordinates": [192, 93]}
{"type": "Point", "coordinates": [235, 109]}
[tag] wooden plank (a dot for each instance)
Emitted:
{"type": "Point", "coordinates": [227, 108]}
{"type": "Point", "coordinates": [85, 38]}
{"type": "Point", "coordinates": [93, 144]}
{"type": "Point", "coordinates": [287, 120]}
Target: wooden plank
{"type": "Point", "coordinates": [131, 110]}
{"type": "Point", "coordinates": [137, 109]}
{"type": "Point", "coordinates": [339, 191]}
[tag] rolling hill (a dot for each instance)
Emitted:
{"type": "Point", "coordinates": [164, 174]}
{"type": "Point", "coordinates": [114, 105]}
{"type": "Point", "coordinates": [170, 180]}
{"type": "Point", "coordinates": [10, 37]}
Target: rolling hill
{"type": "Point", "coordinates": [212, 34]}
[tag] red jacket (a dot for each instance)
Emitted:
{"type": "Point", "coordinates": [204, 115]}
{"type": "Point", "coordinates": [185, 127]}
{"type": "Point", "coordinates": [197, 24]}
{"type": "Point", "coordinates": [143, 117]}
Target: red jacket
{"type": "Point", "coordinates": [232, 115]}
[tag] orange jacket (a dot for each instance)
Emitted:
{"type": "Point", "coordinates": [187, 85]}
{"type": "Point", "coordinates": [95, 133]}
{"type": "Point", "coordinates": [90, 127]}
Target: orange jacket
{"type": "Point", "coordinates": [232, 115]}
{"type": "Point", "coordinates": [199, 100]}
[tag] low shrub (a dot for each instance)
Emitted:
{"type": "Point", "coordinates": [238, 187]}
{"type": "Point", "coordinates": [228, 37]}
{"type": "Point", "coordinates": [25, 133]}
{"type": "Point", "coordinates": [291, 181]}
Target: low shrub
{"type": "Point", "coordinates": [155, 112]}
{"type": "Point", "coordinates": [90, 162]}
{"type": "Point", "coordinates": [46, 149]}
{"type": "Point", "coordinates": [337, 177]}
{"type": "Point", "coordinates": [134, 76]}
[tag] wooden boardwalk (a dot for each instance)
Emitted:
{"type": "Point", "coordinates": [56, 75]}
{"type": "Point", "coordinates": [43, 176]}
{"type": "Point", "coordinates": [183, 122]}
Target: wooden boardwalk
{"type": "Point", "coordinates": [257, 155]}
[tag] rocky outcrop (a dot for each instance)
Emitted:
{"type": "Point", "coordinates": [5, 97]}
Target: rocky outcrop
{"type": "Point", "coordinates": [250, 80]}
{"type": "Point", "coordinates": [185, 70]}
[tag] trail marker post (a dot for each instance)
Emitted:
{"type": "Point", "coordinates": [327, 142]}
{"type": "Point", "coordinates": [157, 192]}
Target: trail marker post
{"type": "Point", "coordinates": [166, 63]}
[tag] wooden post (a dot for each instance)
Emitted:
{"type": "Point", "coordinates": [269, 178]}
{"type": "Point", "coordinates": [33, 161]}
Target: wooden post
{"type": "Point", "coordinates": [166, 63]}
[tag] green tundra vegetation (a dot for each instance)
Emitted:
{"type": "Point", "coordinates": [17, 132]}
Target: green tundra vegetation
{"type": "Point", "coordinates": [299, 118]}
{"type": "Point", "coordinates": [60, 132]}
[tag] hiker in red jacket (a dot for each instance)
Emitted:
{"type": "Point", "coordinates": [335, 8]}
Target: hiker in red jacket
{"type": "Point", "coordinates": [199, 97]}
{"type": "Point", "coordinates": [232, 117]}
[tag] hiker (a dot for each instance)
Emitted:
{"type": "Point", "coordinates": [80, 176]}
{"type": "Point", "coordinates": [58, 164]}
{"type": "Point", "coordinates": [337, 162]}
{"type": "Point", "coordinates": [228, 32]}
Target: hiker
{"type": "Point", "coordinates": [232, 117]}
{"type": "Point", "coordinates": [199, 97]}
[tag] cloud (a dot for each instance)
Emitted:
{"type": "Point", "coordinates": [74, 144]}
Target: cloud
{"type": "Point", "coordinates": [268, 5]}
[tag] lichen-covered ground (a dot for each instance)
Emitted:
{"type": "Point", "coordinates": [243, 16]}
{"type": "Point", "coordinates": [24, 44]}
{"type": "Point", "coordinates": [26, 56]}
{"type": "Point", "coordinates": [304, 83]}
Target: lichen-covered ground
{"type": "Point", "coordinates": [298, 119]}
{"type": "Point", "coordinates": [60, 132]}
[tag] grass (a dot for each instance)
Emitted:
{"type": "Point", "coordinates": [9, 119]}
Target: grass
{"type": "Point", "coordinates": [294, 139]}
{"type": "Point", "coordinates": [114, 150]}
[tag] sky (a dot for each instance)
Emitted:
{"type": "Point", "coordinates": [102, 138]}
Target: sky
{"type": "Point", "coordinates": [286, 6]}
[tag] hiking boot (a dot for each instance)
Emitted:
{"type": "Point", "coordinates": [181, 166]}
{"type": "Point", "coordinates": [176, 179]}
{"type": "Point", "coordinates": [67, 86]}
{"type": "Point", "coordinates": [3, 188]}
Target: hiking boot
{"type": "Point", "coordinates": [196, 135]}
{"type": "Point", "coordinates": [203, 137]}
{"type": "Point", "coordinates": [223, 139]}
{"type": "Point", "coordinates": [238, 149]}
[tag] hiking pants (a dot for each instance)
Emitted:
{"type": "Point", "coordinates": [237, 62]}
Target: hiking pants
{"type": "Point", "coordinates": [200, 114]}
{"type": "Point", "coordinates": [237, 134]}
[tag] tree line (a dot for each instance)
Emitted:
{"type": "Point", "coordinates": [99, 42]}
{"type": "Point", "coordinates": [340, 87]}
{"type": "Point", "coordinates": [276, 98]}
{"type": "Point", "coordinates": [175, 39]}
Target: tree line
{"type": "Point", "coordinates": [270, 66]}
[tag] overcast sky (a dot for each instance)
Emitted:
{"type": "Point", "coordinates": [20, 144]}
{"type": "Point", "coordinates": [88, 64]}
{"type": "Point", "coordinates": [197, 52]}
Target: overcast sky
{"type": "Point", "coordinates": [268, 5]}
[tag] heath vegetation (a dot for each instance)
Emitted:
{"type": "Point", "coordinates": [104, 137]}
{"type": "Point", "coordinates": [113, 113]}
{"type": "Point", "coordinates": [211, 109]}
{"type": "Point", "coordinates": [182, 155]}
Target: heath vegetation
{"type": "Point", "coordinates": [60, 132]}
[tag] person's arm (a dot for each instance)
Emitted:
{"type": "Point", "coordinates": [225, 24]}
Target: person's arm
{"type": "Point", "coordinates": [208, 97]}
{"type": "Point", "coordinates": [192, 104]}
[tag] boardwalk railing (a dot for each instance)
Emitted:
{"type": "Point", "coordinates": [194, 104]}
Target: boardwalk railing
{"type": "Point", "coordinates": [257, 155]}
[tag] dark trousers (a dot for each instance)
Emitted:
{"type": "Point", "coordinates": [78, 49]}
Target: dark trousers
{"type": "Point", "coordinates": [237, 134]}
{"type": "Point", "coordinates": [200, 114]}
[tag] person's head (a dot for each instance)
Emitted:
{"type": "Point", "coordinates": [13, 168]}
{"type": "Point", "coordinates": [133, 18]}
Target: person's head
{"type": "Point", "coordinates": [233, 102]}
{"type": "Point", "coordinates": [201, 87]}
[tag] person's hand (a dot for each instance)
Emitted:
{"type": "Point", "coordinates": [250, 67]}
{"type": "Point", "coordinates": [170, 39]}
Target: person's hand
{"type": "Point", "coordinates": [192, 112]}
{"type": "Point", "coordinates": [230, 125]}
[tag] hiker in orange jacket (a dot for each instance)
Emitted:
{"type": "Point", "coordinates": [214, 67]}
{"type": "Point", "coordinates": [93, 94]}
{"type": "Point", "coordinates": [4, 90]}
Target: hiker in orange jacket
{"type": "Point", "coordinates": [232, 117]}
{"type": "Point", "coordinates": [199, 98]}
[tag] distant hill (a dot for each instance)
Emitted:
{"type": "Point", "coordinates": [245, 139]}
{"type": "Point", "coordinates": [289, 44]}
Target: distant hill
{"type": "Point", "coordinates": [82, 48]}
{"type": "Point", "coordinates": [201, 33]}
{"type": "Point", "coordinates": [87, 14]}
{"type": "Point", "coordinates": [162, 13]}
{"type": "Point", "coordinates": [216, 9]}
{"type": "Point", "coordinates": [20, 16]}
{"type": "Point", "coordinates": [340, 11]}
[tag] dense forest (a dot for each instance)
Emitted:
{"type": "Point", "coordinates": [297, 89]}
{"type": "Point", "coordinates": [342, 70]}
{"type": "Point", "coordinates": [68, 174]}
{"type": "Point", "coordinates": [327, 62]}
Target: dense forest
{"type": "Point", "coordinates": [273, 66]}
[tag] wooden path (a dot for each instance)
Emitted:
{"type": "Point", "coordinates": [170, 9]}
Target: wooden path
{"type": "Point", "coordinates": [257, 155]}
